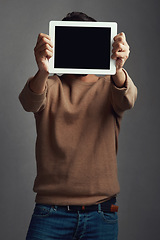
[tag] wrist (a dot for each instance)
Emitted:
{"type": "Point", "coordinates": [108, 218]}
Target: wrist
{"type": "Point", "coordinates": [119, 70]}
{"type": "Point", "coordinates": [43, 73]}
{"type": "Point", "coordinates": [119, 78]}
{"type": "Point", "coordinates": [38, 83]}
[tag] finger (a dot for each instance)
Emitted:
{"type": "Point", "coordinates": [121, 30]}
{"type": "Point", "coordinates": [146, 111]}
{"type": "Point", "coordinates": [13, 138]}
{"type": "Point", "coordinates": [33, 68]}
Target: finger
{"type": "Point", "coordinates": [119, 47]}
{"type": "Point", "coordinates": [120, 35]}
{"type": "Point", "coordinates": [42, 42]}
{"type": "Point", "coordinates": [41, 35]}
{"type": "Point", "coordinates": [46, 53]}
{"type": "Point", "coordinates": [120, 38]}
{"type": "Point", "coordinates": [120, 55]}
{"type": "Point", "coordinates": [43, 47]}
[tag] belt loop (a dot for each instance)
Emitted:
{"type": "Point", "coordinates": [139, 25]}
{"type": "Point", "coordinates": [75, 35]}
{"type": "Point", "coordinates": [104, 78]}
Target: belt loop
{"type": "Point", "coordinates": [55, 207]}
{"type": "Point", "coordinates": [99, 207]}
{"type": "Point", "coordinates": [68, 208]}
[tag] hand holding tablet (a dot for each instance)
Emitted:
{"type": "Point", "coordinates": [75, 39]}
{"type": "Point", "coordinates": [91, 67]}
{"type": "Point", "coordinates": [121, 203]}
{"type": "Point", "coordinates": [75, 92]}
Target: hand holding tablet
{"type": "Point", "coordinates": [82, 47]}
{"type": "Point", "coordinates": [43, 51]}
{"type": "Point", "coordinates": [120, 50]}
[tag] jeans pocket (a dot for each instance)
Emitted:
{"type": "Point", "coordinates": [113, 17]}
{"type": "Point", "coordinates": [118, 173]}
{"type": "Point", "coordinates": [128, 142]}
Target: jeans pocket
{"type": "Point", "coordinates": [110, 217]}
{"type": "Point", "coordinates": [42, 210]}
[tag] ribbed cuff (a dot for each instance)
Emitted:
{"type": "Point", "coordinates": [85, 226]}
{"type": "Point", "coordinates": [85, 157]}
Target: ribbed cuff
{"type": "Point", "coordinates": [35, 96]}
{"type": "Point", "coordinates": [126, 84]}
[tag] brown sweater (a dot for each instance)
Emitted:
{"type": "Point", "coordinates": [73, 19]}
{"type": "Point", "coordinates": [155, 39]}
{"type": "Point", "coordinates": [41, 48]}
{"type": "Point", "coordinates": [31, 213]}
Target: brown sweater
{"type": "Point", "coordinates": [77, 137]}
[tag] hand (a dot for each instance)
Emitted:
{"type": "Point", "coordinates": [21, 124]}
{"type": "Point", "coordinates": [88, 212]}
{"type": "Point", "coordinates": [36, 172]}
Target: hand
{"type": "Point", "coordinates": [43, 51]}
{"type": "Point", "coordinates": [120, 50]}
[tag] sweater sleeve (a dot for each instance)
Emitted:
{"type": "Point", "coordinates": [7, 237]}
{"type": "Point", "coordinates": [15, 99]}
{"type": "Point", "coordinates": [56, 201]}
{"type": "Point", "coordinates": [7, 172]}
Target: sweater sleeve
{"type": "Point", "coordinates": [32, 102]}
{"type": "Point", "coordinates": [123, 98]}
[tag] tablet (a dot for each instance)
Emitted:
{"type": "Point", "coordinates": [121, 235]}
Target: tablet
{"type": "Point", "coordinates": [81, 47]}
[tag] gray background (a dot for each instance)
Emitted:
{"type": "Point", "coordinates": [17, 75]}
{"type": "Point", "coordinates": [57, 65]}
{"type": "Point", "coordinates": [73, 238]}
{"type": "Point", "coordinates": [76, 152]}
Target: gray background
{"type": "Point", "coordinates": [138, 156]}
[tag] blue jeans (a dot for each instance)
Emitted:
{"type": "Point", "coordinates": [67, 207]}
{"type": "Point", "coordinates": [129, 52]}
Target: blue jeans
{"type": "Point", "coordinates": [48, 223]}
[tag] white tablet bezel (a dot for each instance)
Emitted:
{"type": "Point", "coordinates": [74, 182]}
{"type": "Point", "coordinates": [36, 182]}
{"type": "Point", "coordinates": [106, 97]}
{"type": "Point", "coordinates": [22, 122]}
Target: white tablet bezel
{"type": "Point", "coordinates": [112, 25]}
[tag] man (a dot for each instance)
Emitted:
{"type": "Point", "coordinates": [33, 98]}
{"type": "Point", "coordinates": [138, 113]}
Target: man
{"type": "Point", "coordinates": [77, 121]}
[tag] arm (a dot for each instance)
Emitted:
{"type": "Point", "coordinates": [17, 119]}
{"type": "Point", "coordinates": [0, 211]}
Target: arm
{"type": "Point", "coordinates": [120, 54]}
{"type": "Point", "coordinates": [123, 98]}
{"type": "Point", "coordinates": [33, 95]}
{"type": "Point", "coordinates": [123, 90]}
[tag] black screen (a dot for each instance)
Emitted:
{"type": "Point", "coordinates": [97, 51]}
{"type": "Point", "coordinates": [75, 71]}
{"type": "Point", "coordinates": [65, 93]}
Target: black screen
{"type": "Point", "coordinates": [82, 47]}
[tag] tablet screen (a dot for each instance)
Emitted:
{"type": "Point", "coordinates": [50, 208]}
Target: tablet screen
{"type": "Point", "coordinates": [82, 47]}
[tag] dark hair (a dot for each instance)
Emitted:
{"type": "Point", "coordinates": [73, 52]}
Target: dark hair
{"type": "Point", "coordinates": [78, 16]}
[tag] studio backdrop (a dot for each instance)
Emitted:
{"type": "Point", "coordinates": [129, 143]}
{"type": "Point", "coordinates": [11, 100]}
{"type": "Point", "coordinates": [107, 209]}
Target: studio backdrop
{"type": "Point", "coordinates": [138, 155]}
